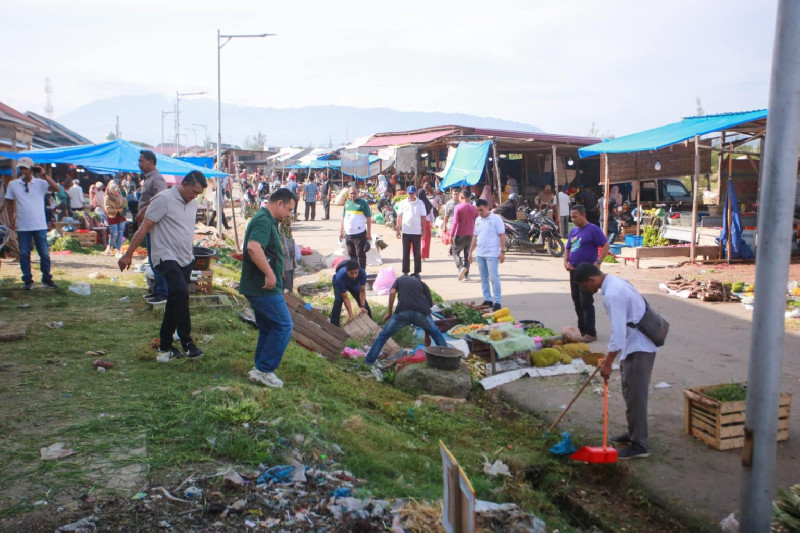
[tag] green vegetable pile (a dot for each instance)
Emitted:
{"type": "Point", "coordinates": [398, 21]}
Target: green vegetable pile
{"type": "Point", "coordinates": [610, 259]}
{"type": "Point", "coordinates": [733, 392]}
{"type": "Point", "coordinates": [536, 331]}
{"type": "Point", "coordinates": [651, 237]}
{"type": "Point", "coordinates": [465, 315]}
{"type": "Point", "coordinates": [437, 299]}
{"type": "Point", "coordinates": [70, 244]}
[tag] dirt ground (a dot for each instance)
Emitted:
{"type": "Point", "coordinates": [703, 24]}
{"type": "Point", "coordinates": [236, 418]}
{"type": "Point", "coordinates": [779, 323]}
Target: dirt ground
{"type": "Point", "coordinates": [709, 344]}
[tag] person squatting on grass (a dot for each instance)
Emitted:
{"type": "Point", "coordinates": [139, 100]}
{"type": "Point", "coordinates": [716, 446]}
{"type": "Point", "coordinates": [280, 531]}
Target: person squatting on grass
{"type": "Point", "coordinates": [263, 258]}
{"type": "Point", "coordinates": [170, 222]}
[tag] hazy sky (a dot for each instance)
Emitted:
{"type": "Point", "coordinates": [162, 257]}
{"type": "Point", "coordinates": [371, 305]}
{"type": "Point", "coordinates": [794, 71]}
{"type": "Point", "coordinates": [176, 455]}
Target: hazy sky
{"type": "Point", "coordinates": [625, 65]}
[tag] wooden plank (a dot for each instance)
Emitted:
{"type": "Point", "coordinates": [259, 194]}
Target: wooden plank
{"type": "Point", "coordinates": [310, 344]}
{"type": "Point", "coordinates": [687, 416]}
{"type": "Point", "coordinates": [13, 332]}
{"type": "Point", "coordinates": [310, 330]}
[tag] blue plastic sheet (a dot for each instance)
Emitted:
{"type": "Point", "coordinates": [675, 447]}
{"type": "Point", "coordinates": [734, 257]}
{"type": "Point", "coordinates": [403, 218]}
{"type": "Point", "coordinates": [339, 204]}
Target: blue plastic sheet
{"type": "Point", "coordinates": [739, 248]}
{"type": "Point", "coordinates": [110, 157]}
{"type": "Point", "coordinates": [671, 133]}
{"type": "Point", "coordinates": [467, 165]}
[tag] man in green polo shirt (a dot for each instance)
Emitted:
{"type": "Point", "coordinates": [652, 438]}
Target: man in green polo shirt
{"type": "Point", "coordinates": [356, 227]}
{"type": "Point", "coordinates": [262, 284]}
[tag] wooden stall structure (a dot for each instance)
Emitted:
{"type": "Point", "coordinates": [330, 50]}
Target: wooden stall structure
{"type": "Point", "coordinates": [680, 149]}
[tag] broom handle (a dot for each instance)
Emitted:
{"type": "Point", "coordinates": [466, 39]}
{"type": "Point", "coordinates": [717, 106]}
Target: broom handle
{"type": "Point", "coordinates": [605, 414]}
{"type": "Point", "coordinates": [573, 399]}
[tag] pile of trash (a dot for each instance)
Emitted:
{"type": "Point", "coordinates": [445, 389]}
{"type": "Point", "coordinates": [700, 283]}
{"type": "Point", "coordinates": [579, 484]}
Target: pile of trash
{"type": "Point", "coordinates": [290, 497]}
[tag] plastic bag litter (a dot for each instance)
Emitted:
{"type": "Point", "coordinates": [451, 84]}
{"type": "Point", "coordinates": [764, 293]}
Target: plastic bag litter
{"type": "Point", "coordinates": [662, 385]}
{"type": "Point", "coordinates": [565, 447]}
{"type": "Point", "coordinates": [55, 451]}
{"type": "Point", "coordinates": [81, 287]}
{"type": "Point", "coordinates": [498, 468]}
{"type": "Point", "coordinates": [278, 474]}
{"type": "Point", "coordinates": [384, 280]}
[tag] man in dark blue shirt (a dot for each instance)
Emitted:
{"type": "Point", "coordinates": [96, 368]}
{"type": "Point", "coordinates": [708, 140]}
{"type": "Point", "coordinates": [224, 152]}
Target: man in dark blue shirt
{"type": "Point", "coordinates": [352, 279]}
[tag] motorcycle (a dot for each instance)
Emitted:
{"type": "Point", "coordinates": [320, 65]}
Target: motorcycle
{"type": "Point", "coordinates": [538, 233]}
{"type": "Point", "coordinates": [387, 210]}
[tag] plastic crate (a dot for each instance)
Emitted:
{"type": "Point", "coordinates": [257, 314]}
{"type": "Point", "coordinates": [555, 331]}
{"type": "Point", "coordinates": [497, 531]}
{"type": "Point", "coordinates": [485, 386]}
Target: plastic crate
{"type": "Point", "coordinates": [633, 240]}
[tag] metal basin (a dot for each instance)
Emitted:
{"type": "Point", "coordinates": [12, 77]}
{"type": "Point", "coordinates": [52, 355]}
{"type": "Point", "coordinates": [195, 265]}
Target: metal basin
{"type": "Point", "coordinates": [443, 357]}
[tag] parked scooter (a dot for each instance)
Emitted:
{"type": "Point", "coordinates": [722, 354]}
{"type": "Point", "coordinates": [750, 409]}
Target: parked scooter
{"type": "Point", "coordinates": [537, 234]}
{"type": "Point", "coordinates": [387, 210]}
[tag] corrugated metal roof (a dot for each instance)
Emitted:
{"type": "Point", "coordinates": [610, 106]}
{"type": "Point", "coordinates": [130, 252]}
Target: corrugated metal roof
{"type": "Point", "coordinates": [12, 115]}
{"type": "Point", "coordinates": [406, 138]}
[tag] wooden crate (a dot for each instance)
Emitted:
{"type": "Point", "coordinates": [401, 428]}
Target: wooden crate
{"type": "Point", "coordinates": [205, 283]}
{"type": "Point", "coordinates": [87, 240]}
{"type": "Point", "coordinates": [363, 327]}
{"type": "Point", "coordinates": [313, 330]}
{"type": "Point", "coordinates": [721, 424]}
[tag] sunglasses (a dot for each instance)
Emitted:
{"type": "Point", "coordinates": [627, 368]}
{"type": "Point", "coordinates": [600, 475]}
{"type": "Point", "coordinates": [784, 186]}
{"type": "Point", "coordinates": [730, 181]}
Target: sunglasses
{"type": "Point", "coordinates": [26, 187]}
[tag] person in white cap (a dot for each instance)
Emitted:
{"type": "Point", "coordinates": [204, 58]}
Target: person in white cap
{"type": "Point", "coordinates": [27, 197]}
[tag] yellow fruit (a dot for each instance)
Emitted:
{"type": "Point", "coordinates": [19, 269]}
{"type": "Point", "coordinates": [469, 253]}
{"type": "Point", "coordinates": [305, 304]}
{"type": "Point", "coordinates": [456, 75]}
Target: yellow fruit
{"type": "Point", "coordinates": [495, 335]}
{"type": "Point", "coordinates": [508, 318]}
{"type": "Point", "coordinates": [500, 313]}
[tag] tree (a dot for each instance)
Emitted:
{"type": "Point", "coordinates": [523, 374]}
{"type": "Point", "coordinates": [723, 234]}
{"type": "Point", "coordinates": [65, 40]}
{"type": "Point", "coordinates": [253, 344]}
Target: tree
{"type": "Point", "coordinates": [256, 142]}
{"type": "Point", "coordinates": [111, 136]}
{"type": "Point", "coordinates": [593, 131]}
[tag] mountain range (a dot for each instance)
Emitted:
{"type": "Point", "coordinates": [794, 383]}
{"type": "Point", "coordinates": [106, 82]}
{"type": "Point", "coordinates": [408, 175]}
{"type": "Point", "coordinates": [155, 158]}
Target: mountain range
{"type": "Point", "coordinates": [141, 116]}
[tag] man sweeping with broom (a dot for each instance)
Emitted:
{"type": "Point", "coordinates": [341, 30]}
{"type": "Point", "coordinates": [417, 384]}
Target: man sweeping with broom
{"type": "Point", "coordinates": [625, 307]}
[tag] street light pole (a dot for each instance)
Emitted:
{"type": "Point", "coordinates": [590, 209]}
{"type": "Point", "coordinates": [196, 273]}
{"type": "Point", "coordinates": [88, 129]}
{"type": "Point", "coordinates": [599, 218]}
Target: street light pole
{"type": "Point", "coordinates": [178, 118]}
{"type": "Point", "coordinates": [220, 44]}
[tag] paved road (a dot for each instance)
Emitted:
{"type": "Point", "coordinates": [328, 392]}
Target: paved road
{"type": "Point", "coordinates": [708, 344]}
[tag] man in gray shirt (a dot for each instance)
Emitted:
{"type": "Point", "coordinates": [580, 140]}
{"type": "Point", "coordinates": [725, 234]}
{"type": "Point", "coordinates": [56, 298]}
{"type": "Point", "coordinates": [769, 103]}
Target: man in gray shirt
{"type": "Point", "coordinates": [170, 221]}
{"type": "Point", "coordinates": [153, 184]}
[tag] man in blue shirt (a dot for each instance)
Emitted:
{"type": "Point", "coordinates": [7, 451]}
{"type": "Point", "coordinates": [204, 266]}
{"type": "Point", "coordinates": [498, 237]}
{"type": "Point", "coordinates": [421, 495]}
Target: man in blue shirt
{"type": "Point", "coordinates": [349, 278]}
{"type": "Point", "coordinates": [582, 247]}
{"type": "Point", "coordinates": [310, 194]}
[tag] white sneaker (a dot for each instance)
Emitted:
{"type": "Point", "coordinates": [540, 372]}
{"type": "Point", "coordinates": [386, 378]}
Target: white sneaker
{"type": "Point", "coordinates": [462, 273]}
{"type": "Point", "coordinates": [268, 379]}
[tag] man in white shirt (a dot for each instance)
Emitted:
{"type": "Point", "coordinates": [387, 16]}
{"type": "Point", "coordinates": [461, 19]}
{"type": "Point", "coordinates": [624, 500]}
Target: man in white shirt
{"type": "Point", "coordinates": [625, 307]}
{"type": "Point", "coordinates": [563, 211]}
{"type": "Point", "coordinates": [25, 198]}
{"type": "Point", "coordinates": [75, 194]}
{"type": "Point", "coordinates": [488, 247]}
{"type": "Point", "coordinates": [411, 222]}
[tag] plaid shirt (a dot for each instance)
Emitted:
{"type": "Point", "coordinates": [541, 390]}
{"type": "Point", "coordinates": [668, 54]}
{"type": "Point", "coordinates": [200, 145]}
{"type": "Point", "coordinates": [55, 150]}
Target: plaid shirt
{"type": "Point", "coordinates": [310, 191]}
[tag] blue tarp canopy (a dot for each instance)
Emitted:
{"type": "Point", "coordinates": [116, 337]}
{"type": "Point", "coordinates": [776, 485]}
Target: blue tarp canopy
{"type": "Point", "coordinates": [205, 162]}
{"type": "Point", "coordinates": [318, 164]}
{"type": "Point", "coordinates": [467, 165]}
{"type": "Point", "coordinates": [109, 158]}
{"type": "Point", "coordinates": [671, 133]}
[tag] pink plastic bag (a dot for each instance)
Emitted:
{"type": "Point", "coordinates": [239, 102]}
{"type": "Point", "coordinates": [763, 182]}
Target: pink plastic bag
{"type": "Point", "coordinates": [384, 281]}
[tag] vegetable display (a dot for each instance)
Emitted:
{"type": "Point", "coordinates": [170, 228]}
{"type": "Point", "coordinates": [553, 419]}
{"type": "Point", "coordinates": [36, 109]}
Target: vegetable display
{"type": "Point", "coordinates": [465, 314]}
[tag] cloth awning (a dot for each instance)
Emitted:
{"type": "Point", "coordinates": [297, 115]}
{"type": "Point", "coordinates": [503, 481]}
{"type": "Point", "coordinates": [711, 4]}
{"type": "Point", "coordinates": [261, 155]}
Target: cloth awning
{"type": "Point", "coordinates": [109, 158]}
{"type": "Point", "coordinates": [406, 138]}
{"type": "Point", "coordinates": [467, 164]}
{"type": "Point", "coordinates": [671, 133]}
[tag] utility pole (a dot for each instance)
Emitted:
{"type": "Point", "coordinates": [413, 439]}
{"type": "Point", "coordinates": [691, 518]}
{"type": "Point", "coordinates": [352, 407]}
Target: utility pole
{"type": "Point", "coordinates": [117, 131]}
{"type": "Point", "coordinates": [776, 195]}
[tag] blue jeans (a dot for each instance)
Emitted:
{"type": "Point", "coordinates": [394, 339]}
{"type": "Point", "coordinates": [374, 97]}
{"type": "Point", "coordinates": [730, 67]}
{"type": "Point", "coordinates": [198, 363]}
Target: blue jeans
{"type": "Point", "coordinates": [27, 240]}
{"type": "Point", "coordinates": [117, 232]}
{"type": "Point", "coordinates": [398, 322]}
{"type": "Point", "coordinates": [338, 301]}
{"type": "Point", "coordinates": [274, 330]}
{"type": "Point", "coordinates": [487, 266]}
{"type": "Point", "coordinates": [159, 282]}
